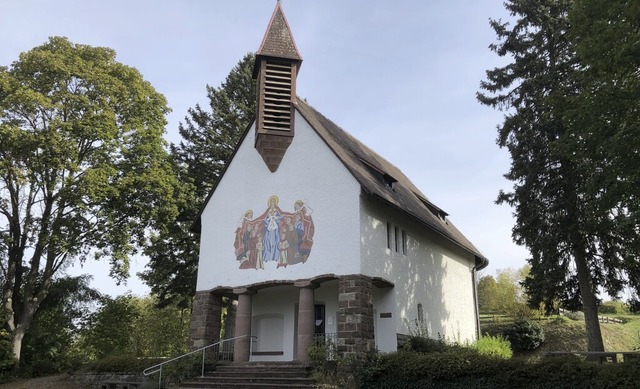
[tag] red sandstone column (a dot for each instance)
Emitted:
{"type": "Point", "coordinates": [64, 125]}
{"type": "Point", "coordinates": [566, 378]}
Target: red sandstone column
{"type": "Point", "coordinates": [242, 346]}
{"type": "Point", "coordinates": [306, 318]}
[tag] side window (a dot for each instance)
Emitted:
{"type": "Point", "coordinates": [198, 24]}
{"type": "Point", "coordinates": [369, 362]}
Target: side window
{"type": "Point", "coordinates": [397, 244]}
{"type": "Point", "coordinates": [404, 242]}
{"type": "Point", "coordinates": [396, 239]}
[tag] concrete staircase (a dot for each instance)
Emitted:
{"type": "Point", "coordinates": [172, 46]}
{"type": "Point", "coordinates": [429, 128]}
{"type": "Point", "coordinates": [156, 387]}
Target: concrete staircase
{"type": "Point", "coordinates": [254, 375]}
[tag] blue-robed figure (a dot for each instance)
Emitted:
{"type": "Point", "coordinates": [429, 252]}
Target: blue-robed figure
{"type": "Point", "coordinates": [271, 239]}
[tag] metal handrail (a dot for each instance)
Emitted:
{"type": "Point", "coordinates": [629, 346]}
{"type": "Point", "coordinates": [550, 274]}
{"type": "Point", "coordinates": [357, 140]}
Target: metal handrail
{"type": "Point", "coordinates": [158, 368]}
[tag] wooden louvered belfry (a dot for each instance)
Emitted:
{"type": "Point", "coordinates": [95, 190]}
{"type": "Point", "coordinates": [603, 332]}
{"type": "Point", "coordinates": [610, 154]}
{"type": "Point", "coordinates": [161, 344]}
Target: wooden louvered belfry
{"type": "Point", "coordinates": [276, 68]}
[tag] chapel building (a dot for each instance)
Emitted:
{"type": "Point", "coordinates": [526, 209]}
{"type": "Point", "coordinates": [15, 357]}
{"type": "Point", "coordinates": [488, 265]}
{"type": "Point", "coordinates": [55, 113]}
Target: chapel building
{"type": "Point", "coordinates": [310, 234]}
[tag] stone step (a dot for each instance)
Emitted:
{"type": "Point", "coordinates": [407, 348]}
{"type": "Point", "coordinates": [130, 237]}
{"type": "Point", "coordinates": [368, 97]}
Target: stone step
{"type": "Point", "coordinates": [262, 370]}
{"type": "Point", "coordinates": [213, 385]}
{"type": "Point", "coordinates": [255, 375]}
{"type": "Point", "coordinates": [248, 383]}
{"type": "Point", "coordinates": [258, 373]}
{"type": "Point", "coordinates": [268, 380]}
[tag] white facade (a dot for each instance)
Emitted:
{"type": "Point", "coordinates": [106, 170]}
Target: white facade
{"type": "Point", "coordinates": [274, 320]}
{"type": "Point", "coordinates": [423, 275]}
{"type": "Point", "coordinates": [309, 172]}
{"type": "Point", "coordinates": [426, 269]}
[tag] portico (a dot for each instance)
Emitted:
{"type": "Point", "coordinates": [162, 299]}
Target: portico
{"type": "Point", "coordinates": [284, 327]}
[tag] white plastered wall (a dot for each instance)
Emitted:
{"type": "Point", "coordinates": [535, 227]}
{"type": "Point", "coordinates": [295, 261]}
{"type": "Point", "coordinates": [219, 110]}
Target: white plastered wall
{"type": "Point", "coordinates": [274, 318]}
{"type": "Point", "coordinates": [269, 305]}
{"type": "Point", "coordinates": [434, 273]}
{"type": "Point", "coordinates": [310, 172]}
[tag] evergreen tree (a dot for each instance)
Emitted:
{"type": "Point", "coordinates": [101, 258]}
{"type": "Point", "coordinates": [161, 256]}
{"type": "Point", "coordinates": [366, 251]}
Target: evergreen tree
{"type": "Point", "coordinates": [606, 114]}
{"type": "Point", "coordinates": [552, 218]}
{"type": "Point", "coordinates": [208, 141]}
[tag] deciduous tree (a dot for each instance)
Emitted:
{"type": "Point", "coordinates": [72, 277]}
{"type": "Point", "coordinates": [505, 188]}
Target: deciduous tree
{"type": "Point", "coordinates": [49, 345]}
{"type": "Point", "coordinates": [504, 293]}
{"type": "Point", "coordinates": [129, 325]}
{"type": "Point", "coordinates": [83, 169]}
{"type": "Point", "coordinates": [109, 330]}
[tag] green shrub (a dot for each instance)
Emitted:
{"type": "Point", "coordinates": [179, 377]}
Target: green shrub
{"type": "Point", "coordinates": [495, 346]}
{"type": "Point", "coordinates": [465, 368]}
{"type": "Point", "coordinates": [119, 364]}
{"type": "Point", "coordinates": [613, 307]}
{"type": "Point", "coordinates": [424, 345]}
{"type": "Point", "coordinates": [415, 370]}
{"type": "Point", "coordinates": [577, 315]}
{"type": "Point", "coordinates": [520, 311]}
{"type": "Point", "coordinates": [324, 359]}
{"type": "Point", "coordinates": [524, 335]}
{"type": "Point", "coordinates": [333, 370]}
{"type": "Point", "coordinates": [7, 361]}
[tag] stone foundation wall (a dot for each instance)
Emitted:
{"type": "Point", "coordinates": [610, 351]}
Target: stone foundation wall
{"type": "Point", "coordinates": [114, 380]}
{"type": "Point", "coordinates": [355, 315]}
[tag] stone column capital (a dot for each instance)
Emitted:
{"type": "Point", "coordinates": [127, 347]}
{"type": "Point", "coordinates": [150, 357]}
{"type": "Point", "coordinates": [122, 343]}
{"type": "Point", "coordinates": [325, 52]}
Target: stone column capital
{"type": "Point", "coordinates": [308, 284]}
{"type": "Point", "coordinates": [245, 291]}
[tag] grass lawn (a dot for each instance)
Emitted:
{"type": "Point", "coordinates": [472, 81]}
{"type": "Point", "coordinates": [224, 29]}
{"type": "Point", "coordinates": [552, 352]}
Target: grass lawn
{"type": "Point", "coordinates": [564, 334]}
{"type": "Point", "coordinates": [60, 381]}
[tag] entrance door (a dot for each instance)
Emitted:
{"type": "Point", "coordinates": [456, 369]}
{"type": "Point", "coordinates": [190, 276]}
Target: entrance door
{"type": "Point", "coordinates": [319, 319]}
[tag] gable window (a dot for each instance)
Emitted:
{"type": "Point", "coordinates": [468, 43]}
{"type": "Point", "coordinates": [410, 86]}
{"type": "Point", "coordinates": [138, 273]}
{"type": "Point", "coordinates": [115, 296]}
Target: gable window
{"type": "Point", "coordinates": [396, 239]}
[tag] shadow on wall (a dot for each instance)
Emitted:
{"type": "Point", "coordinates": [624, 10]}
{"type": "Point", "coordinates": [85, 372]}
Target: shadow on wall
{"type": "Point", "coordinates": [419, 275]}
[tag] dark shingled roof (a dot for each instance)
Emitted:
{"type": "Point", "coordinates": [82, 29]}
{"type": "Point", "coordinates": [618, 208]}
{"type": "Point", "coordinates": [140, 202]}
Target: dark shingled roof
{"type": "Point", "coordinates": [382, 180]}
{"type": "Point", "coordinates": [378, 177]}
{"type": "Point", "coordinates": [278, 41]}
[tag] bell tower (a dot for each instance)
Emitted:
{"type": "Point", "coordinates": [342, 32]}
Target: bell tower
{"type": "Point", "coordinates": [276, 68]}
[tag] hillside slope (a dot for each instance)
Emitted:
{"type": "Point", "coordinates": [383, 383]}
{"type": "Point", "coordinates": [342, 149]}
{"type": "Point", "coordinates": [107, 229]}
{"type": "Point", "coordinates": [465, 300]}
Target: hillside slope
{"type": "Point", "coordinates": [563, 334]}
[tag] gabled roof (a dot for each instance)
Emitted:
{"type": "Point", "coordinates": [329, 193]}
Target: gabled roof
{"type": "Point", "coordinates": [382, 180]}
{"type": "Point", "coordinates": [377, 177]}
{"type": "Point", "coordinates": [278, 41]}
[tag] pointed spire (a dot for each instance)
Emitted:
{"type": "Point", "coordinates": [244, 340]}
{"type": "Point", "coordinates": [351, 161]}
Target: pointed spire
{"type": "Point", "coordinates": [276, 68]}
{"type": "Point", "coordinates": [278, 41]}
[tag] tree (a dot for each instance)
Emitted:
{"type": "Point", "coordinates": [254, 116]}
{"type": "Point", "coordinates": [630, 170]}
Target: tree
{"type": "Point", "coordinates": [48, 347]}
{"type": "Point", "coordinates": [83, 169]}
{"type": "Point", "coordinates": [487, 290]}
{"type": "Point", "coordinates": [108, 331]}
{"type": "Point", "coordinates": [607, 40]}
{"type": "Point", "coordinates": [571, 211]}
{"type": "Point", "coordinates": [159, 332]}
{"type": "Point", "coordinates": [128, 325]}
{"type": "Point", "coordinates": [208, 141]}
{"type": "Point", "coordinates": [504, 294]}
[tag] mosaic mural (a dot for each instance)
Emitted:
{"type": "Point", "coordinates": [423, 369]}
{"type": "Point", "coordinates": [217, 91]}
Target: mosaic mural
{"type": "Point", "coordinates": [275, 236]}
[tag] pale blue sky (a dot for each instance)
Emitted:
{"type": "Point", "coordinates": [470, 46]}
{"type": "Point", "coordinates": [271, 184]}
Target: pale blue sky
{"type": "Point", "coordinates": [399, 75]}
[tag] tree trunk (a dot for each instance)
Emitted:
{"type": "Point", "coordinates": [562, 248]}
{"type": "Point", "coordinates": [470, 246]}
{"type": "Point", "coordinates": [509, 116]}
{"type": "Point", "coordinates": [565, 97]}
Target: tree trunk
{"type": "Point", "coordinates": [16, 341]}
{"type": "Point", "coordinates": [589, 303]}
{"type": "Point", "coordinates": [579, 246]}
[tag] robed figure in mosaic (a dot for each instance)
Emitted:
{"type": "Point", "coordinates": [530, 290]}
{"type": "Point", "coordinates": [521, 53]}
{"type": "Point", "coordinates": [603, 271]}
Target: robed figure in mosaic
{"type": "Point", "coordinates": [284, 238]}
